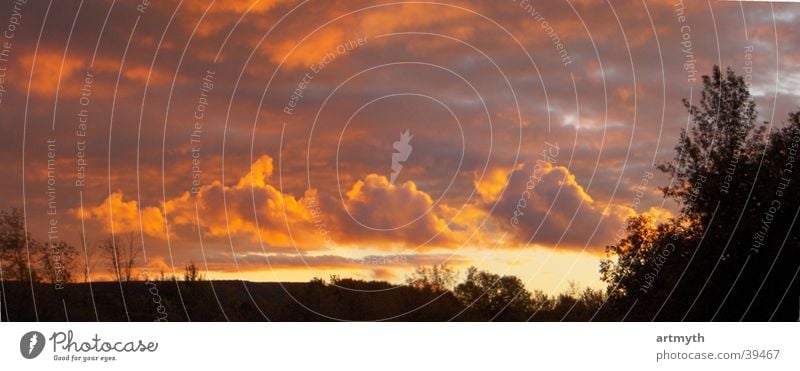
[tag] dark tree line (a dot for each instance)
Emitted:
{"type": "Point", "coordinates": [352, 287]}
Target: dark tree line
{"type": "Point", "coordinates": [484, 296]}
{"type": "Point", "coordinates": [23, 258]}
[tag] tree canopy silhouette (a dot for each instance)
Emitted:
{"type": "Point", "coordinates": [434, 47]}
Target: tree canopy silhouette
{"type": "Point", "coordinates": [732, 253]}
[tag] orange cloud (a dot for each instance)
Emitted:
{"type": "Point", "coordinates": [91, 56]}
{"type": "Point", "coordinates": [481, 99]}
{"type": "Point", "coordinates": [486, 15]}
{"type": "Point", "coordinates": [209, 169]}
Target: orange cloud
{"type": "Point", "coordinates": [47, 69]}
{"type": "Point", "coordinates": [410, 16]}
{"type": "Point", "coordinates": [125, 216]}
{"type": "Point", "coordinates": [390, 215]}
{"type": "Point", "coordinates": [545, 204]}
{"type": "Point", "coordinates": [141, 74]}
{"type": "Point", "coordinates": [383, 212]}
{"type": "Point", "coordinates": [310, 52]}
{"type": "Point", "coordinates": [254, 208]}
{"type": "Point", "coordinates": [367, 24]}
{"type": "Point", "coordinates": [223, 14]}
{"type": "Point", "coordinates": [251, 193]}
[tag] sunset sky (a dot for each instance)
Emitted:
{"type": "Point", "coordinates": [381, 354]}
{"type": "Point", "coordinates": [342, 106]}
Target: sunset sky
{"type": "Point", "coordinates": [256, 139]}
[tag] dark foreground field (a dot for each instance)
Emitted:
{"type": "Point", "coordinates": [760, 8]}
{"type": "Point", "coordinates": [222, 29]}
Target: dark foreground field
{"type": "Point", "coordinates": [347, 299]}
{"type": "Point", "coordinates": [249, 301]}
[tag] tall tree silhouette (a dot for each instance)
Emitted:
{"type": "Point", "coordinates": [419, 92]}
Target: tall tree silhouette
{"type": "Point", "coordinates": [121, 255]}
{"type": "Point", "coordinates": [16, 247]}
{"type": "Point", "coordinates": [724, 257]}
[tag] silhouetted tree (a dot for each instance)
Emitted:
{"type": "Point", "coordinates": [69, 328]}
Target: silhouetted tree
{"type": "Point", "coordinates": [437, 278]}
{"type": "Point", "coordinates": [713, 260]}
{"type": "Point", "coordinates": [58, 262]}
{"type": "Point", "coordinates": [490, 296]}
{"type": "Point", "coordinates": [723, 132]}
{"type": "Point", "coordinates": [192, 274]}
{"type": "Point", "coordinates": [86, 258]}
{"type": "Point", "coordinates": [16, 247]}
{"type": "Point", "coordinates": [121, 255]}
